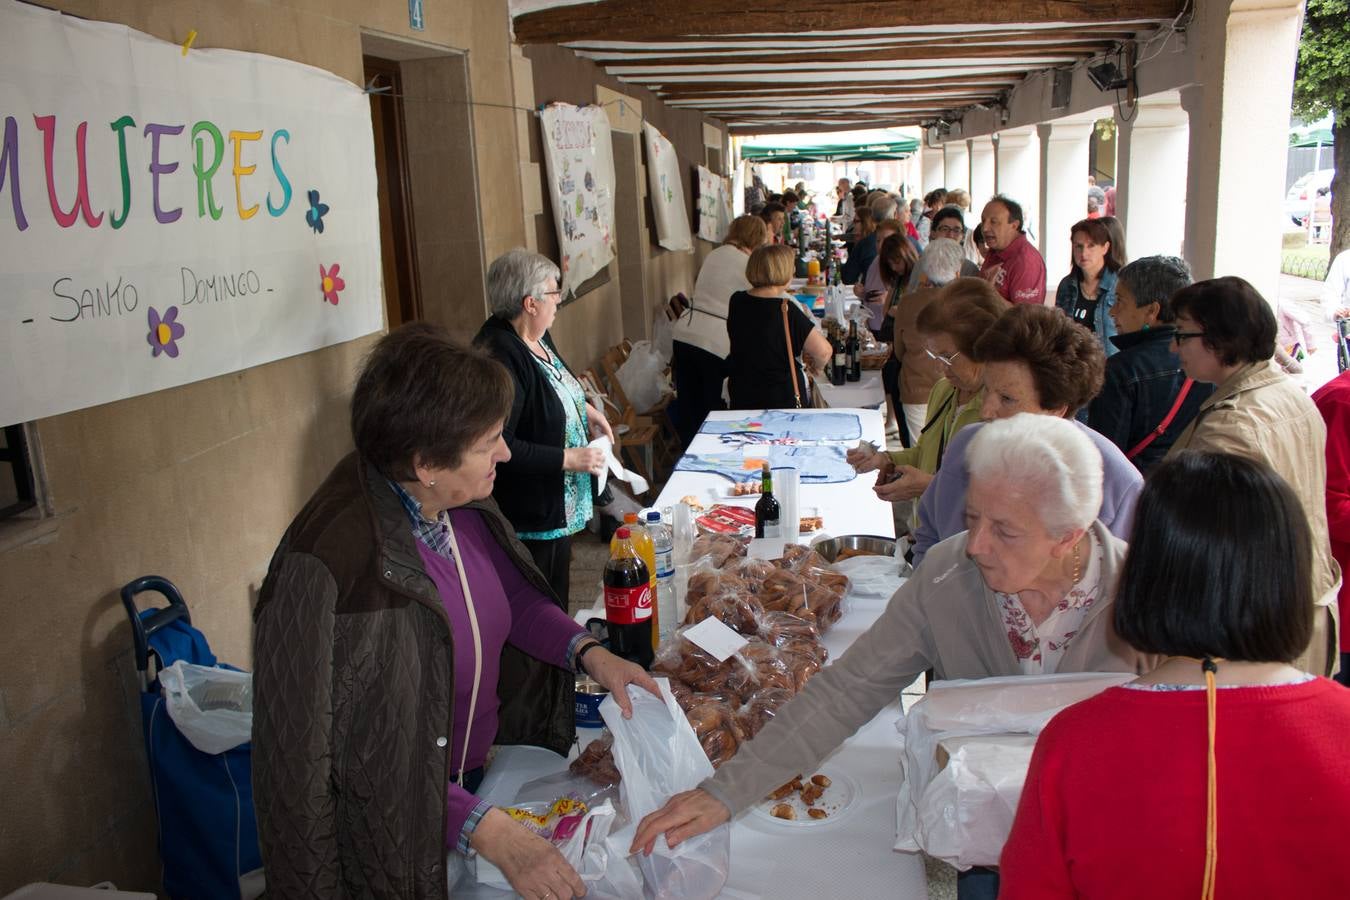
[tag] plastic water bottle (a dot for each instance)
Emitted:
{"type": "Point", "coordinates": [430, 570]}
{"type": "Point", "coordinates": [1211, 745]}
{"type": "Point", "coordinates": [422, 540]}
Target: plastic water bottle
{"type": "Point", "coordinates": [663, 544]}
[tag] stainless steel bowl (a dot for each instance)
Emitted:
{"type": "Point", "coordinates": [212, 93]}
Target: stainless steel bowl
{"type": "Point", "coordinates": [871, 543]}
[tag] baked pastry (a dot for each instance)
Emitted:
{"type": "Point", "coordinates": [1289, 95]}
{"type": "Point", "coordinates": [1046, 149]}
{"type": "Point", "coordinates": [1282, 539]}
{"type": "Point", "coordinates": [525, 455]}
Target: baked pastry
{"type": "Point", "coordinates": [783, 811]}
{"type": "Point", "coordinates": [596, 762]}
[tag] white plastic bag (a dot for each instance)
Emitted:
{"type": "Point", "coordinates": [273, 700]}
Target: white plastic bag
{"type": "Point", "coordinates": [212, 707]}
{"type": "Point", "coordinates": [1011, 704]}
{"type": "Point", "coordinates": [663, 335]}
{"type": "Point", "coordinates": [659, 755]}
{"type": "Point", "coordinates": [966, 813]}
{"type": "Point", "coordinates": [871, 576]}
{"type": "Point", "coordinates": [643, 376]}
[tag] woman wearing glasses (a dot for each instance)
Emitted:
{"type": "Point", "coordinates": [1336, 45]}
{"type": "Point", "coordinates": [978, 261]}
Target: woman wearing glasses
{"type": "Point", "coordinates": [545, 488]}
{"type": "Point", "coordinates": [949, 327]}
{"type": "Point", "coordinates": [1226, 337]}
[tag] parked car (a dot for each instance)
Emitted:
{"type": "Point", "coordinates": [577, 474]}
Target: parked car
{"type": "Point", "coordinates": [1299, 201]}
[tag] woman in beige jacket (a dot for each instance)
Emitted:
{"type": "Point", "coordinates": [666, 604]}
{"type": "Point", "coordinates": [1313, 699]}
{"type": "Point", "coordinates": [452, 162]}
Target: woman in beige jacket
{"type": "Point", "coordinates": [1226, 337]}
{"type": "Point", "coordinates": [1027, 590]}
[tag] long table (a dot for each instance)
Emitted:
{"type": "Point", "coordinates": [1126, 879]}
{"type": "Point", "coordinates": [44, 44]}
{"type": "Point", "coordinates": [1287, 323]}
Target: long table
{"type": "Point", "coordinates": [848, 856]}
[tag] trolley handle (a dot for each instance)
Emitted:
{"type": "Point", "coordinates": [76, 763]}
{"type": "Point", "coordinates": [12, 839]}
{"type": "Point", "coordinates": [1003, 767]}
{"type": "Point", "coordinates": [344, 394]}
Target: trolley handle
{"type": "Point", "coordinates": [142, 627]}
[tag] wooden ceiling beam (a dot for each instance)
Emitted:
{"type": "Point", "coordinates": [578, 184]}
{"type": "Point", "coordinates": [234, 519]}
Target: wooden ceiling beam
{"type": "Point", "coordinates": [1100, 32]}
{"type": "Point", "coordinates": [678, 88]}
{"type": "Point", "coordinates": [1029, 52]}
{"type": "Point", "coordinates": [924, 50]}
{"type": "Point", "coordinates": [644, 20]}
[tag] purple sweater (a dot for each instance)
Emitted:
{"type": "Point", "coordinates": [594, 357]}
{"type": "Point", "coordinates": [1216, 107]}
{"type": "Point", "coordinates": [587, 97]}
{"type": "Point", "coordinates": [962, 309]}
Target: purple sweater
{"type": "Point", "coordinates": [942, 508]}
{"type": "Point", "coordinates": [510, 611]}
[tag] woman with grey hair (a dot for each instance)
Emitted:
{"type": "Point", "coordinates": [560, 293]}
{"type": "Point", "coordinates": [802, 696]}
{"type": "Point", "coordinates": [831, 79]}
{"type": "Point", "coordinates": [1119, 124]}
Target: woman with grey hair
{"type": "Point", "coordinates": [546, 486]}
{"type": "Point", "coordinates": [1146, 400]}
{"type": "Point", "coordinates": [1029, 589]}
{"type": "Point", "coordinates": [941, 264]}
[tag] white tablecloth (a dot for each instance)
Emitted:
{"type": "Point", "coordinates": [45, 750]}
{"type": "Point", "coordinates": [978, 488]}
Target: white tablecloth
{"type": "Point", "coordinates": [867, 393]}
{"type": "Point", "coordinates": [847, 508]}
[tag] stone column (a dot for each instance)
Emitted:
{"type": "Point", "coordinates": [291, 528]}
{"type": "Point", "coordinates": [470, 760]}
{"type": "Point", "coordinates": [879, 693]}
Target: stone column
{"type": "Point", "coordinates": [1017, 172]}
{"type": "Point", "coordinates": [1151, 152]}
{"type": "Point", "coordinates": [1063, 189]}
{"type": "Point", "coordinates": [981, 150]}
{"type": "Point", "coordinates": [956, 165]}
{"type": "Point", "coordinates": [1239, 118]}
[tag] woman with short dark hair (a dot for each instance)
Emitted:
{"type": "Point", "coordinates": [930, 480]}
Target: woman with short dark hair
{"type": "Point", "coordinates": [1146, 401]}
{"type": "Point", "coordinates": [767, 334]}
{"type": "Point", "coordinates": [1249, 797]}
{"type": "Point", "coordinates": [1225, 336]}
{"type": "Point", "coordinates": [1088, 292]}
{"type": "Point", "coordinates": [1035, 360]}
{"type": "Point", "coordinates": [401, 631]}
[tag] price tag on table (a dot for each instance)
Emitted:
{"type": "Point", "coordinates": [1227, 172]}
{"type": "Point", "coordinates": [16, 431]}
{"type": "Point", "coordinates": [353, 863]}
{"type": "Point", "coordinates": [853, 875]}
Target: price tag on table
{"type": "Point", "coordinates": [716, 638]}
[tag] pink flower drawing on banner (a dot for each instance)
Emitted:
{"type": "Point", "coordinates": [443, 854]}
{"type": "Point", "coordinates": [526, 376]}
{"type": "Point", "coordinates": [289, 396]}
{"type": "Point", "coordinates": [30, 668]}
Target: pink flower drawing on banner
{"type": "Point", "coordinates": [331, 283]}
{"type": "Point", "coordinates": [165, 332]}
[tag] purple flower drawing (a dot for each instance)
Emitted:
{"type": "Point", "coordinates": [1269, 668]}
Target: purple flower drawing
{"type": "Point", "coordinates": [164, 332]}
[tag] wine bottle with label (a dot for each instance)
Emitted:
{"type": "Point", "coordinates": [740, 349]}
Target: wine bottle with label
{"type": "Point", "coordinates": [767, 514]}
{"type": "Point", "coordinates": [853, 350]}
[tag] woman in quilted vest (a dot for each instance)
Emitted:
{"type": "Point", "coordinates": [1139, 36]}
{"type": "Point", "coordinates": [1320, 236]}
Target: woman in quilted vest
{"type": "Point", "coordinates": [401, 631]}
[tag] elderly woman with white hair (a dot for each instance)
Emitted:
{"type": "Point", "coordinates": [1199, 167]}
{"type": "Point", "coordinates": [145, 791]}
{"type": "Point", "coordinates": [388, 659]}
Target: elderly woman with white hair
{"type": "Point", "coordinates": [1027, 590]}
{"type": "Point", "coordinates": [546, 486]}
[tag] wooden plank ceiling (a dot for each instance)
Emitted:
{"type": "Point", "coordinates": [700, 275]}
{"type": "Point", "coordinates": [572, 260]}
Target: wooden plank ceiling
{"type": "Point", "coordinates": [818, 65]}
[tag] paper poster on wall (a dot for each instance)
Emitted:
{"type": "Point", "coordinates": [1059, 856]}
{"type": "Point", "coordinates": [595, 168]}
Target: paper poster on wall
{"type": "Point", "coordinates": [667, 192]}
{"type": "Point", "coordinates": [579, 159]}
{"type": "Point", "coordinates": [714, 206]}
{"type": "Point", "coordinates": [167, 217]}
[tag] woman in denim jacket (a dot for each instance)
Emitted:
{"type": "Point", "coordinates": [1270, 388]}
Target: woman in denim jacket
{"type": "Point", "coordinates": [1088, 292]}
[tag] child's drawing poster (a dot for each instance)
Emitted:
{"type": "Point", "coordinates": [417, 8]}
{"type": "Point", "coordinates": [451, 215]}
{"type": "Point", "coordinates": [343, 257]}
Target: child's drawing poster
{"type": "Point", "coordinates": [714, 206]}
{"type": "Point", "coordinates": [667, 192]}
{"type": "Point", "coordinates": [171, 215]}
{"type": "Point", "coordinates": [579, 160]}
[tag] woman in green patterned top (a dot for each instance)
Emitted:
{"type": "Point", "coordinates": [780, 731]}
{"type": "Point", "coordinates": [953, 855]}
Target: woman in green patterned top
{"type": "Point", "coordinates": [545, 489]}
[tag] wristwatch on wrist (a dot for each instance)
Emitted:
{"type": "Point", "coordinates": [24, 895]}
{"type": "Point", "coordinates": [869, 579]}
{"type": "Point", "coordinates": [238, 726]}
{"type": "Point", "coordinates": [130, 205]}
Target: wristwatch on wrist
{"type": "Point", "coordinates": [582, 651]}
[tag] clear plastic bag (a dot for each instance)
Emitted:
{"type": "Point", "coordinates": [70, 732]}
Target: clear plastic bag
{"type": "Point", "coordinates": [660, 756]}
{"type": "Point", "coordinates": [643, 377]}
{"type": "Point", "coordinates": [212, 707]}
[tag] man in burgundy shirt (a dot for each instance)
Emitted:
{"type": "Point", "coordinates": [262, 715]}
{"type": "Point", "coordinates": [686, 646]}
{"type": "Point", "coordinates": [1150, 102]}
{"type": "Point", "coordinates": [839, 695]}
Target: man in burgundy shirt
{"type": "Point", "coordinates": [1012, 266]}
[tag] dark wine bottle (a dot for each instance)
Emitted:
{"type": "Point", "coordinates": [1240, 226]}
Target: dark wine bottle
{"type": "Point", "coordinates": [853, 350]}
{"type": "Point", "coordinates": [766, 510]}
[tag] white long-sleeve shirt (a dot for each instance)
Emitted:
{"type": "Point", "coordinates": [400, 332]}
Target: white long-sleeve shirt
{"type": "Point", "coordinates": [1336, 290]}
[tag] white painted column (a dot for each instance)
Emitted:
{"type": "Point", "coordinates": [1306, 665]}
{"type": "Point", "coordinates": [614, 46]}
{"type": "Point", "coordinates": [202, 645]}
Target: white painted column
{"type": "Point", "coordinates": [1239, 119]}
{"type": "Point", "coordinates": [981, 150]}
{"type": "Point", "coordinates": [934, 175]}
{"type": "Point", "coordinates": [1063, 189]}
{"type": "Point", "coordinates": [1151, 153]}
{"type": "Point", "coordinates": [956, 165]}
{"type": "Point", "coordinates": [1017, 172]}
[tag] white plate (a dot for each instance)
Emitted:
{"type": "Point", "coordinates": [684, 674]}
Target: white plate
{"type": "Point", "coordinates": [838, 800]}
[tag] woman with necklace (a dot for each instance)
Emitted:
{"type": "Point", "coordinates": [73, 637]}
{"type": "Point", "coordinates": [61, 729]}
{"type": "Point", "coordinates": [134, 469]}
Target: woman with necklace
{"type": "Point", "coordinates": [1088, 292]}
{"type": "Point", "coordinates": [545, 489]}
{"type": "Point", "coordinates": [1222, 772]}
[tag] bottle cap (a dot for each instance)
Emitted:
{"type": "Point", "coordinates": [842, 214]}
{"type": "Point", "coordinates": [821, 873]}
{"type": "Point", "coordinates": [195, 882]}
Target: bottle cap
{"type": "Point", "coordinates": [629, 518]}
{"type": "Point", "coordinates": [653, 516]}
{"type": "Point", "coordinates": [622, 533]}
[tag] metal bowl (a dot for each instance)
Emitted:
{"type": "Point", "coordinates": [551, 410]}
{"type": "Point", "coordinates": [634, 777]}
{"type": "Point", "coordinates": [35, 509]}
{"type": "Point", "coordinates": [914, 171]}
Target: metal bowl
{"type": "Point", "coordinates": [870, 543]}
{"type": "Point", "coordinates": [588, 697]}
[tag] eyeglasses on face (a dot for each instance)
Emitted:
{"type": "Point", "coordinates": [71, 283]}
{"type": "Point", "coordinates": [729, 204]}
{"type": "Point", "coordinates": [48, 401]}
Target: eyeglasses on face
{"type": "Point", "coordinates": [954, 231]}
{"type": "Point", "coordinates": [1181, 336]}
{"type": "Point", "coordinates": [944, 360]}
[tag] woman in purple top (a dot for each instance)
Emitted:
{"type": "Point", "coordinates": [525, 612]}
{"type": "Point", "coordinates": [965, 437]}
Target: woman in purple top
{"type": "Point", "coordinates": [402, 630]}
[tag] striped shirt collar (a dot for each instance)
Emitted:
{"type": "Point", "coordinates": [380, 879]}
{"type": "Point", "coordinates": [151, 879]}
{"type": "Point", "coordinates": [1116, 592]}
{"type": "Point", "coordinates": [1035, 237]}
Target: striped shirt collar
{"type": "Point", "coordinates": [434, 534]}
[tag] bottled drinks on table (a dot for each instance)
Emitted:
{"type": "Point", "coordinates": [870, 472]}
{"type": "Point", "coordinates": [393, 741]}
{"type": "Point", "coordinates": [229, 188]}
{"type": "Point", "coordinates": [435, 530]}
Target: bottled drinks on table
{"type": "Point", "coordinates": [646, 551]}
{"type": "Point", "coordinates": [628, 601]}
{"type": "Point", "coordinates": [767, 513]}
{"type": "Point", "coordinates": [853, 349]}
{"type": "Point", "coordinates": [663, 544]}
{"type": "Point", "coordinates": [839, 364]}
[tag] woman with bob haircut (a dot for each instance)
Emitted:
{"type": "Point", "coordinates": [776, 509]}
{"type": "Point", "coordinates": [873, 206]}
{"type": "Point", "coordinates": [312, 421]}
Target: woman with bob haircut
{"type": "Point", "coordinates": [1088, 293]}
{"type": "Point", "coordinates": [701, 345]}
{"type": "Point", "coordinates": [767, 333]}
{"type": "Point", "coordinates": [1225, 336]}
{"type": "Point", "coordinates": [1027, 590]}
{"type": "Point", "coordinates": [1035, 360]}
{"type": "Point", "coordinates": [401, 631]}
{"type": "Point", "coordinates": [1222, 772]}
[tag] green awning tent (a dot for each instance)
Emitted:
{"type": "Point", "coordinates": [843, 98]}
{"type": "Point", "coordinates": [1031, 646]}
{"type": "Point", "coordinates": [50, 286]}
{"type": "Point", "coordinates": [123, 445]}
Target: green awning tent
{"type": "Point", "coordinates": [1320, 137]}
{"type": "Point", "coordinates": [839, 147]}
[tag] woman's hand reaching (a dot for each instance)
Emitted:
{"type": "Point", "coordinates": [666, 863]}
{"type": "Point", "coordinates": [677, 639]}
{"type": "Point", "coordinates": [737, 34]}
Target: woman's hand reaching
{"type": "Point", "coordinates": [684, 816]}
{"type": "Point", "coordinates": [532, 865]}
{"type": "Point", "coordinates": [614, 674]}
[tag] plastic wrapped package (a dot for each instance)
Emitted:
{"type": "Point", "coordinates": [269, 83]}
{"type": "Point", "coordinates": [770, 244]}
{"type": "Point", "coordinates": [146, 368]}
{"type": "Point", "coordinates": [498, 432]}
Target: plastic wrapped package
{"type": "Point", "coordinates": [683, 659]}
{"type": "Point", "coordinates": [739, 610]}
{"type": "Point", "coordinates": [596, 762]}
{"type": "Point", "coordinates": [762, 706]}
{"type": "Point", "coordinates": [713, 718]}
{"type": "Point", "coordinates": [1015, 704]}
{"type": "Point", "coordinates": [716, 549]}
{"type": "Point", "coordinates": [871, 576]}
{"type": "Point", "coordinates": [967, 810]}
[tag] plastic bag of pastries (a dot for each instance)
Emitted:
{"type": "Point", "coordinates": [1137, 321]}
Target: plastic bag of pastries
{"type": "Point", "coordinates": [714, 721]}
{"type": "Point", "coordinates": [596, 762]}
{"type": "Point", "coordinates": [681, 658]}
{"type": "Point", "coordinates": [718, 549]}
{"type": "Point", "coordinates": [736, 608]}
{"type": "Point", "coordinates": [773, 669]}
{"type": "Point", "coordinates": [759, 708]}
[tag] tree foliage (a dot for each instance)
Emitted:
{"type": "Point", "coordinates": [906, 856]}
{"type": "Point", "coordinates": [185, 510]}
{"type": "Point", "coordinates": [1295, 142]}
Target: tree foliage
{"type": "Point", "coordinates": [1321, 86]}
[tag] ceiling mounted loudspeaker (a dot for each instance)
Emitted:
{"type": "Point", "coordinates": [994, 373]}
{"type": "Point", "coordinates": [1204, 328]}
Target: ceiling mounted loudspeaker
{"type": "Point", "coordinates": [1107, 76]}
{"type": "Point", "coordinates": [1061, 88]}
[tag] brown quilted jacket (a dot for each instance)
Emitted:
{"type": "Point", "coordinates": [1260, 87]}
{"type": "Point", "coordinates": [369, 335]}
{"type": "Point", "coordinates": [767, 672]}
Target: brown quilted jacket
{"type": "Point", "coordinates": [353, 698]}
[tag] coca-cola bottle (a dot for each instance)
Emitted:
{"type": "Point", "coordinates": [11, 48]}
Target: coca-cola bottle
{"type": "Point", "coordinates": [628, 601]}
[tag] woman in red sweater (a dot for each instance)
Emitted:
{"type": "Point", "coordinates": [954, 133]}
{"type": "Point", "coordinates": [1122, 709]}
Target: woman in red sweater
{"type": "Point", "coordinates": [1222, 772]}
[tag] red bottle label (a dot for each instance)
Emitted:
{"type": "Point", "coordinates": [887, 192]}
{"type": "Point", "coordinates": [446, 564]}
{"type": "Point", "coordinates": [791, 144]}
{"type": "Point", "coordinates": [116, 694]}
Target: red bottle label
{"type": "Point", "coordinates": [628, 605]}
